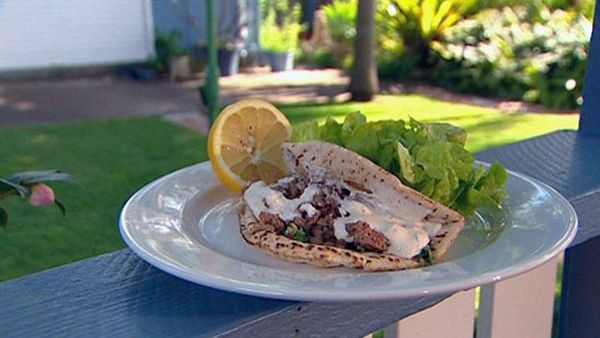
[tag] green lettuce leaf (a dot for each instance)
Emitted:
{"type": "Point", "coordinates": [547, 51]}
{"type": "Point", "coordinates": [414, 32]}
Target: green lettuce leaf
{"type": "Point", "coordinates": [351, 122]}
{"type": "Point", "coordinates": [429, 157]}
{"type": "Point", "coordinates": [406, 163]}
{"type": "Point", "coordinates": [484, 188]}
{"type": "Point", "coordinates": [305, 131]}
{"type": "Point", "coordinates": [446, 132]}
{"type": "Point", "coordinates": [331, 132]}
{"type": "Point", "coordinates": [364, 141]}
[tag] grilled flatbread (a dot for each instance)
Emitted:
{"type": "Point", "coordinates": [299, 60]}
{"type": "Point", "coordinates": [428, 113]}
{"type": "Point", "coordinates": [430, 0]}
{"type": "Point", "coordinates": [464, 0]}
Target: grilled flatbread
{"type": "Point", "coordinates": [312, 158]}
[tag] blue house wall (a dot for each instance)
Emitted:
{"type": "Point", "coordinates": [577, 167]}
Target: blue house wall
{"type": "Point", "coordinates": [189, 18]}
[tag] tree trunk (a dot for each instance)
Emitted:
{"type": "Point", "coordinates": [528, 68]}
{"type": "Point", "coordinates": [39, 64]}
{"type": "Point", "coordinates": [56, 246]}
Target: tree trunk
{"type": "Point", "coordinates": [363, 76]}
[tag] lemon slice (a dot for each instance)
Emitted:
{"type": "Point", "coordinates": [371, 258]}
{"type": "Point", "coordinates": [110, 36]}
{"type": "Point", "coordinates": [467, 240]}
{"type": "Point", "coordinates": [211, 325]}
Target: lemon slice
{"type": "Point", "coordinates": [244, 143]}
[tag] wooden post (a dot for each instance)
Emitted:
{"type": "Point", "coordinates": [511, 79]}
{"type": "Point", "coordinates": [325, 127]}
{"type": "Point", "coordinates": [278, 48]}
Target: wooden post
{"type": "Point", "coordinates": [589, 121]}
{"type": "Point", "coordinates": [454, 317]}
{"type": "Point", "coordinates": [210, 90]}
{"type": "Point", "coordinates": [580, 300]}
{"type": "Point", "coordinates": [519, 307]}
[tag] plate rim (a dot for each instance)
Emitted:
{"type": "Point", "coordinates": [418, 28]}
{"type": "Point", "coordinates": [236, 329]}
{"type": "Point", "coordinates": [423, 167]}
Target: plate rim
{"type": "Point", "coordinates": [225, 284]}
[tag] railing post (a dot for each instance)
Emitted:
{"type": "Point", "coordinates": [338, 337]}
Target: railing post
{"type": "Point", "coordinates": [589, 121]}
{"type": "Point", "coordinates": [520, 306]}
{"type": "Point", "coordinates": [453, 317]}
{"type": "Point", "coordinates": [210, 90]}
{"type": "Point", "coordinates": [580, 299]}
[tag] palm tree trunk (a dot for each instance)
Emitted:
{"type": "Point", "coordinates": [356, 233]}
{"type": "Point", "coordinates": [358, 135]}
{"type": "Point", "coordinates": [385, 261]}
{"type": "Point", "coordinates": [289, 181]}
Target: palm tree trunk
{"type": "Point", "coordinates": [363, 76]}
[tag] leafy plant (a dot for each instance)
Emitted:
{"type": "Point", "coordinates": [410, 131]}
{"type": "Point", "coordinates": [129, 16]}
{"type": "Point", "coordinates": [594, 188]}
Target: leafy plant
{"type": "Point", "coordinates": [168, 45]}
{"type": "Point", "coordinates": [280, 30]}
{"type": "Point", "coordinates": [510, 53]}
{"type": "Point", "coordinates": [420, 22]}
{"type": "Point", "coordinates": [341, 19]}
{"type": "Point", "coordinates": [319, 59]}
{"type": "Point", "coordinates": [585, 7]}
{"type": "Point", "coordinates": [335, 48]}
{"type": "Point", "coordinates": [30, 186]}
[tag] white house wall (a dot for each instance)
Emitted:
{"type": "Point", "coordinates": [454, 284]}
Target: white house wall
{"type": "Point", "coordinates": [63, 33]}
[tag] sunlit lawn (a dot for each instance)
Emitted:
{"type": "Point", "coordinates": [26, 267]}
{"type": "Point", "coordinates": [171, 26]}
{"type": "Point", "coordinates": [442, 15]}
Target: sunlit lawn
{"type": "Point", "coordinates": [113, 159]}
{"type": "Point", "coordinates": [110, 159]}
{"type": "Point", "coordinates": [486, 127]}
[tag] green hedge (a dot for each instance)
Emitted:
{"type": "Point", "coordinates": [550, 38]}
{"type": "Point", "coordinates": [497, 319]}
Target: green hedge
{"type": "Point", "coordinates": [506, 53]}
{"type": "Point", "coordinates": [535, 52]}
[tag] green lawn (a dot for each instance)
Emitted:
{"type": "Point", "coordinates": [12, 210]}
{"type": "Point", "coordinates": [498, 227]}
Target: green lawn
{"type": "Point", "coordinates": [111, 160]}
{"type": "Point", "coordinates": [486, 127]}
{"type": "Point", "coordinates": [115, 158]}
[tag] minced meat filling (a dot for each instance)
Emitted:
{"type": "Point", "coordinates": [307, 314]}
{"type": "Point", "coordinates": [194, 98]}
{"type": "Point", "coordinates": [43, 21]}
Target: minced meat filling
{"type": "Point", "coordinates": [316, 218]}
{"type": "Point", "coordinates": [363, 235]}
{"type": "Point", "coordinates": [272, 219]}
{"type": "Point", "coordinates": [292, 187]}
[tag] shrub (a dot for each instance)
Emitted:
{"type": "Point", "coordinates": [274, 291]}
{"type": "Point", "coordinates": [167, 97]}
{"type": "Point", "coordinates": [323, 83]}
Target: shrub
{"type": "Point", "coordinates": [398, 66]}
{"type": "Point", "coordinates": [584, 7]}
{"type": "Point", "coordinates": [507, 54]}
{"type": "Point", "coordinates": [280, 30]}
{"type": "Point", "coordinates": [341, 20]}
{"type": "Point", "coordinates": [324, 59]}
{"type": "Point", "coordinates": [318, 59]}
{"type": "Point", "coordinates": [418, 23]}
{"type": "Point", "coordinates": [167, 46]}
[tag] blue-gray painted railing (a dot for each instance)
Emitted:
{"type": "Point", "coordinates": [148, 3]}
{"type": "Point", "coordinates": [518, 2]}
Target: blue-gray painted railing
{"type": "Point", "coordinates": [580, 301]}
{"type": "Point", "coordinates": [119, 295]}
{"type": "Point", "coordinates": [590, 112]}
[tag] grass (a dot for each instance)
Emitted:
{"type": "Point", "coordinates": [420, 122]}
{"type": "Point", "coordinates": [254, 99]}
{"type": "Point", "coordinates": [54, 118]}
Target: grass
{"type": "Point", "coordinates": [112, 159]}
{"type": "Point", "coordinates": [486, 127]}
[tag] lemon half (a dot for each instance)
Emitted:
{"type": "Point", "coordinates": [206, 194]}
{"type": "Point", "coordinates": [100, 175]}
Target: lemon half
{"type": "Point", "coordinates": [244, 143]}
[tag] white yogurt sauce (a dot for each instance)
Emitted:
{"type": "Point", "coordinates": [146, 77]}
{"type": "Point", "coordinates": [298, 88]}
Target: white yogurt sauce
{"type": "Point", "coordinates": [308, 209]}
{"type": "Point", "coordinates": [407, 238]}
{"type": "Point", "coordinates": [260, 197]}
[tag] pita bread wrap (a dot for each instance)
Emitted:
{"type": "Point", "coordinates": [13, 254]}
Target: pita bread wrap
{"type": "Point", "coordinates": [306, 159]}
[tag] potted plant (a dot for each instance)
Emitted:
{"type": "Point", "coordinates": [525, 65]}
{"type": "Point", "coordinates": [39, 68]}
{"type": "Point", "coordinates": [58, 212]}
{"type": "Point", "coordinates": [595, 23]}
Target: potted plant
{"type": "Point", "coordinates": [279, 34]}
{"type": "Point", "coordinates": [171, 56]}
{"type": "Point", "coordinates": [232, 32]}
{"type": "Point", "coordinates": [229, 57]}
{"type": "Point", "coordinates": [229, 51]}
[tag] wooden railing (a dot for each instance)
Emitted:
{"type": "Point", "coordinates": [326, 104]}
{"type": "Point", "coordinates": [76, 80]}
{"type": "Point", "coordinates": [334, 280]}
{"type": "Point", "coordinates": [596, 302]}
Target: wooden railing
{"type": "Point", "coordinates": [518, 307]}
{"type": "Point", "coordinates": [119, 295]}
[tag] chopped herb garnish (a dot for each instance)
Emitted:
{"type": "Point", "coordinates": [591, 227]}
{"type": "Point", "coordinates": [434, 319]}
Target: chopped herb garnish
{"type": "Point", "coordinates": [360, 248]}
{"type": "Point", "coordinates": [301, 236]}
{"type": "Point", "coordinates": [293, 232]}
{"type": "Point", "coordinates": [290, 230]}
{"type": "Point", "coordinates": [427, 255]}
{"type": "Point", "coordinates": [354, 247]}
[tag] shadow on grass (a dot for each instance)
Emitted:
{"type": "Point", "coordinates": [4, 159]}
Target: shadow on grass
{"type": "Point", "coordinates": [486, 130]}
{"type": "Point", "coordinates": [299, 112]}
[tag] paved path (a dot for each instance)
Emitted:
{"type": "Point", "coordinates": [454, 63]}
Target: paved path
{"type": "Point", "coordinates": [60, 100]}
{"type": "Point", "coordinates": [54, 101]}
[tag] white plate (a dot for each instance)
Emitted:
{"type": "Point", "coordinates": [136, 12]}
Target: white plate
{"type": "Point", "coordinates": [185, 224]}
